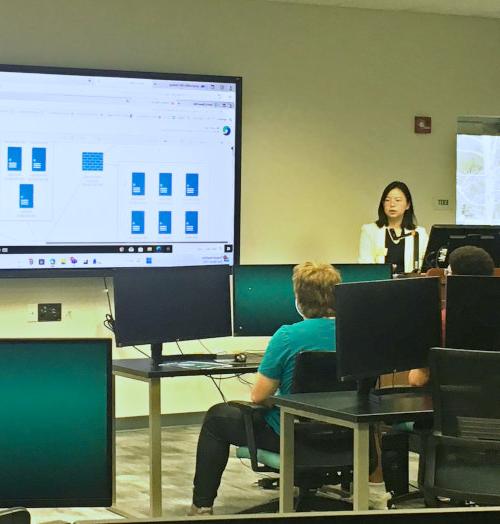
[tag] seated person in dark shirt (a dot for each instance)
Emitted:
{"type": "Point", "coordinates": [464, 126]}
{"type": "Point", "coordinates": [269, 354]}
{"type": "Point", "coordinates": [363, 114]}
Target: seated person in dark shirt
{"type": "Point", "coordinates": [465, 260]}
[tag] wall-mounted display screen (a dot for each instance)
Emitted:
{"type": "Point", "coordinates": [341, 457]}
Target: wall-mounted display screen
{"type": "Point", "coordinates": [103, 169]}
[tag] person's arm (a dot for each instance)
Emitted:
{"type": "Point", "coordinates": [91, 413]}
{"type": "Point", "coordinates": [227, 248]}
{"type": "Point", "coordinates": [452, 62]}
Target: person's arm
{"type": "Point", "coordinates": [423, 238]}
{"type": "Point", "coordinates": [366, 255]}
{"type": "Point", "coordinates": [263, 388]}
{"type": "Point", "coordinates": [419, 377]}
{"type": "Point", "coordinates": [270, 370]}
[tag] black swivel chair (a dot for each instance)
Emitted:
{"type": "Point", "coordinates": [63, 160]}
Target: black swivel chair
{"type": "Point", "coordinates": [323, 453]}
{"type": "Point", "coordinates": [15, 516]}
{"type": "Point", "coordinates": [463, 452]}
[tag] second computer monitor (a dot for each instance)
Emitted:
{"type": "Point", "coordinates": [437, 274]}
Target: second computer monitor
{"type": "Point", "coordinates": [386, 326]}
{"type": "Point", "coordinates": [264, 298]}
{"type": "Point", "coordinates": [473, 313]}
{"type": "Point", "coordinates": [167, 304]}
{"type": "Point", "coordinates": [445, 238]}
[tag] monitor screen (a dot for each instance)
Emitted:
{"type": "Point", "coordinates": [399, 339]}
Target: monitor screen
{"type": "Point", "coordinates": [386, 326]}
{"type": "Point", "coordinates": [263, 295]}
{"type": "Point", "coordinates": [444, 238]}
{"type": "Point", "coordinates": [57, 432]}
{"type": "Point", "coordinates": [103, 169]}
{"type": "Point", "coordinates": [473, 312]}
{"type": "Point", "coordinates": [168, 304]}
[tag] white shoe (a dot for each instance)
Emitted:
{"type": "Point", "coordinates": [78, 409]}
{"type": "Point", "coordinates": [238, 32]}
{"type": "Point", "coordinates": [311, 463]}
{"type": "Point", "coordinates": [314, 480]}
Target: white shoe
{"type": "Point", "coordinates": [195, 511]}
{"type": "Point", "coordinates": [379, 500]}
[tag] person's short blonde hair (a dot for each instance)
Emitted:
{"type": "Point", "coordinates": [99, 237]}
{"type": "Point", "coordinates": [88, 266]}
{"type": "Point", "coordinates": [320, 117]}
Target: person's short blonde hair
{"type": "Point", "coordinates": [314, 287]}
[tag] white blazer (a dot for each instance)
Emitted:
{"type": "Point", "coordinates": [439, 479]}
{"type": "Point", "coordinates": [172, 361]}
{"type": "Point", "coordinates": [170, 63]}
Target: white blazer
{"type": "Point", "coordinates": [372, 245]}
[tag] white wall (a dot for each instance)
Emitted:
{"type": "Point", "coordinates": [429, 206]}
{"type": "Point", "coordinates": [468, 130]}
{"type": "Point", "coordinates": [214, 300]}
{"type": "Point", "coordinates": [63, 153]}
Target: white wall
{"type": "Point", "coordinates": [329, 100]}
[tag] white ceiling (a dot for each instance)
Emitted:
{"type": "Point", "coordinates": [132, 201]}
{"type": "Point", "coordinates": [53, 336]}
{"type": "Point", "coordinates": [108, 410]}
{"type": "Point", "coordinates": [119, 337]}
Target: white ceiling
{"type": "Point", "coordinates": [481, 8]}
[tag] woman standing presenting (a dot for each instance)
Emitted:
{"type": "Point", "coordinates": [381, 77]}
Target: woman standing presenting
{"type": "Point", "coordinates": [394, 237]}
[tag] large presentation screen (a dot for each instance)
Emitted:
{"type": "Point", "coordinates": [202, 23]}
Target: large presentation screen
{"type": "Point", "coordinates": [118, 169]}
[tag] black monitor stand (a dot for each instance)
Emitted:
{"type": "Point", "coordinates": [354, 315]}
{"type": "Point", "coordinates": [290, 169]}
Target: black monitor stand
{"type": "Point", "coordinates": [366, 386]}
{"type": "Point", "coordinates": [156, 353]}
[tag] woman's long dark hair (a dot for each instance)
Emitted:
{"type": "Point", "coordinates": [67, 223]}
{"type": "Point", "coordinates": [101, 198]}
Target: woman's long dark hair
{"type": "Point", "coordinates": [409, 219]}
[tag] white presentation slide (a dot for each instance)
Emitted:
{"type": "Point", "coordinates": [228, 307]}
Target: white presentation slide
{"type": "Point", "coordinates": [116, 171]}
{"type": "Point", "coordinates": [478, 179]}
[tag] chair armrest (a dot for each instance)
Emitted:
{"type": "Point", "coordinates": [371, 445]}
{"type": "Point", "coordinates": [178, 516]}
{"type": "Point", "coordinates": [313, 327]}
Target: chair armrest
{"type": "Point", "coordinates": [466, 443]}
{"type": "Point", "coordinates": [249, 409]}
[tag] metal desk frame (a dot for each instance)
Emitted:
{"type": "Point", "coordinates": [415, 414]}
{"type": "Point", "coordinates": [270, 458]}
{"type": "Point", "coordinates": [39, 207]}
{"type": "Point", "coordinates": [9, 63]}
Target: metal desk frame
{"type": "Point", "coordinates": [349, 415]}
{"type": "Point", "coordinates": [141, 369]}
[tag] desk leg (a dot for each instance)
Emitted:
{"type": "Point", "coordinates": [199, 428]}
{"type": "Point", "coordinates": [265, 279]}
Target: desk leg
{"type": "Point", "coordinates": [286, 461]}
{"type": "Point", "coordinates": [155, 495]}
{"type": "Point", "coordinates": [361, 467]}
{"type": "Point", "coordinates": [113, 443]}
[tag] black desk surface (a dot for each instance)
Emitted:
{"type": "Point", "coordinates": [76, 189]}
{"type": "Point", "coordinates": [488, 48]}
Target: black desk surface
{"type": "Point", "coordinates": [353, 407]}
{"type": "Point", "coordinates": [186, 365]}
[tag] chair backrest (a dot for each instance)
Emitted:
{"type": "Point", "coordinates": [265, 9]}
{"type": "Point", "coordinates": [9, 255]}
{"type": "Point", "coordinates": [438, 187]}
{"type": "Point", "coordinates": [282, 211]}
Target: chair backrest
{"type": "Point", "coordinates": [466, 393]}
{"type": "Point", "coordinates": [316, 372]}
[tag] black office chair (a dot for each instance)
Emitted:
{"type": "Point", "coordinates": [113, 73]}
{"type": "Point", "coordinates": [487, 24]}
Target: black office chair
{"type": "Point", "coordinates": [463, 452]}
{"type": "Point", "coordinates": [15, 516]}
{"type": "Point", "coordinates": [323, 453]}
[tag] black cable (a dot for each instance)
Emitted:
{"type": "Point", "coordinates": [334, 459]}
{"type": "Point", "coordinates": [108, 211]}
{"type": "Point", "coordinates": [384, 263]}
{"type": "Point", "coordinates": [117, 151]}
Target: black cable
{"type": "Point", "coordinates": [109, 321]}
{"type": "Point", "coordinates": [243, 381]}
{"type": "Point", "coordinates": [205, 347]}
{"type": "Point", "coordinates": [141, 351]}
{"type": "Point", "coordinates": [224, 399]}
{"type": "Point", "coordinates": [106, 289]}
{"type": "Point", "coordinates": [179, 347]}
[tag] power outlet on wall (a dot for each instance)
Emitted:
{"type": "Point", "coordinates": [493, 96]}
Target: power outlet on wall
{"type": "Point", "coordinates": [49, 312]}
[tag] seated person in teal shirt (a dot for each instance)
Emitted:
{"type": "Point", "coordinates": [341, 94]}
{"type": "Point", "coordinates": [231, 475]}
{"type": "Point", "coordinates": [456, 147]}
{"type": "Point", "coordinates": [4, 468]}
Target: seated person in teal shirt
{"type": "Point", "coordinates": [314, 287]}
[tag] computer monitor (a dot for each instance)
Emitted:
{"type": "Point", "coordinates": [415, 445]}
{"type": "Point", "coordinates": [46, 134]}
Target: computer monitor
{"type": "Point", "coordinates": [57, 413]}
{"type": "Point", "coordinates": [169, 304]}
{"type": "Point", "coordinates": [473, 313]}
{"type": "Point", "coordinates": [263, 295]}
{"type": "Point", "coordinates": [444, 238]}
{"type": "Point", "coordinates": [386, 326]}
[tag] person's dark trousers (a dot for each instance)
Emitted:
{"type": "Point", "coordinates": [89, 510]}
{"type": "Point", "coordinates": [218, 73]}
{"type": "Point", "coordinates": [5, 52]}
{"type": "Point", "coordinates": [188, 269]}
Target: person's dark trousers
{"type": "Point", "coordinates": [223, 426]}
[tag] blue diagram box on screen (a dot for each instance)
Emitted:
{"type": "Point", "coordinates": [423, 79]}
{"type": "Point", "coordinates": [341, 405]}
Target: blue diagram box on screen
{"type": "Point", "coordinates": [92, 161]}
{"type": "Point", "coordinates": [26, 196]}
{"type": "Point", "coordinates": [14, 158]}
{"type": "Point", "coordinates": [137, 222]}
{"type": "Point", "coordinates": [165, 184]}
{"type": "Point", "coordinates": [138, 184]}
{"type": "Point", "coordinates": [165, 222]}
{"type": "Point", "coordinates": [191, 222]}
{"type": "Point", "coordinates": [39, 159]}
{"type": "Point", "coordinates": [191, 184]}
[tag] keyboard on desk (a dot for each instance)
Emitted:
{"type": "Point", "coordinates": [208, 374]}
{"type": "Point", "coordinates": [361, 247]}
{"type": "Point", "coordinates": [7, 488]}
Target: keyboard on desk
{"type": "Point", "coordinates": [211, 360]}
